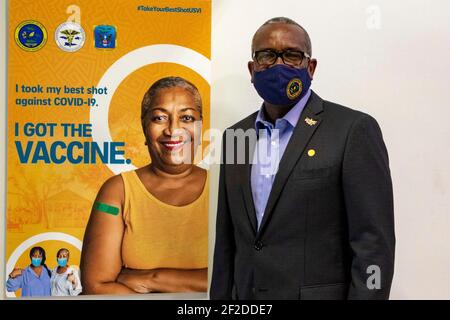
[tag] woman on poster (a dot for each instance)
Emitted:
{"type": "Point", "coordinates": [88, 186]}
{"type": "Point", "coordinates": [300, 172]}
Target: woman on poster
{"type": "Point", "coordinates": [65, 280]}
{"type": "Point", "coordinates": [34, 280]}
{"type": "Point", "coordinates": [148, 229]}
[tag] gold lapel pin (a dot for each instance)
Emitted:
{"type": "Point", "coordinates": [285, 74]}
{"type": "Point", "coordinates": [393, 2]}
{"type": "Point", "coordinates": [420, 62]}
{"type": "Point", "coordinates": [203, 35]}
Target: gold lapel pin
{"type": "Point", "coordinates": [311, 152]}
{"type": "Point", "coordinates": [310, 121]}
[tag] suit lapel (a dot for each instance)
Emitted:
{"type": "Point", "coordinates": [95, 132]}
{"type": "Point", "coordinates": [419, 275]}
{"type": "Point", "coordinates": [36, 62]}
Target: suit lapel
{"type": "Point", "coordinates": [297, 143]}
{"type": "Point", "coordinates": [247, 191]}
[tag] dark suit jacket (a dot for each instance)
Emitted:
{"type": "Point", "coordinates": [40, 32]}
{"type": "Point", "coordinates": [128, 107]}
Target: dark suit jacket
{"type": "Point", "coordinates": [328, 218]}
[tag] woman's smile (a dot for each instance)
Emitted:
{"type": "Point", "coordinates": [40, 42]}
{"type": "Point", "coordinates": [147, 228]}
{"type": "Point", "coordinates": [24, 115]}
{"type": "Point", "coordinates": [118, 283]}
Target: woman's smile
{"type": "Point", "coordinates": [172, 145]}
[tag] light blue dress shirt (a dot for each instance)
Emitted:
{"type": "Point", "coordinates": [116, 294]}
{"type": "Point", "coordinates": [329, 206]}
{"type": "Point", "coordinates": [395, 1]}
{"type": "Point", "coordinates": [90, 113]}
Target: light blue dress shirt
{"type": "Point", "coordinates": [270, 147]}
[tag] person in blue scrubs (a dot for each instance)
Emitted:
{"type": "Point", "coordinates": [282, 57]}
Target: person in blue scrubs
{"type": "Point", "coordinates": [34, 280]}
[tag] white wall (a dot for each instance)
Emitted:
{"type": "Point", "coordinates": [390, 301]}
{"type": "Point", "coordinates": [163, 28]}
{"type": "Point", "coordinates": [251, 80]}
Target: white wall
{"type": "Point", "coordinates": [389, 59]}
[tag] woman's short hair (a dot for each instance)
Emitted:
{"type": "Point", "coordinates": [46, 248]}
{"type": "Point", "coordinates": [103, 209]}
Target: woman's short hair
{"type": "Point", "coordinates": [164, 83]}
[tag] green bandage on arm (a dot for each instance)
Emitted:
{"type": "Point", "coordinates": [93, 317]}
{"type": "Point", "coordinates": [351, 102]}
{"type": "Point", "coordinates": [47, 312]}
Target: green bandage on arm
{"type": "Point", "coordinates": [106, 208]}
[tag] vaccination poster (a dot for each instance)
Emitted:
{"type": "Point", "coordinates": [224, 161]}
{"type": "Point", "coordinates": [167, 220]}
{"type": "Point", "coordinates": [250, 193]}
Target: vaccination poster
{"type": "Point", "coordinates": [77, 74]}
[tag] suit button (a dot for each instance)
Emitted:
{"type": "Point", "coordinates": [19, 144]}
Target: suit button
{"type": "Point", "coordinates": [258, 245]}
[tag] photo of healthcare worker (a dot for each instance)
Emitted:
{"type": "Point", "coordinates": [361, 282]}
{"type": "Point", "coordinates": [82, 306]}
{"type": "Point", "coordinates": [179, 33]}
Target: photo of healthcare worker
{"type": "Point", "coordinates": [65, 279]}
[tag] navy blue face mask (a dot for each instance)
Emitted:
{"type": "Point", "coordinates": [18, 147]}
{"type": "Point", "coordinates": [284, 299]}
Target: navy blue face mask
{"type": "Point", "coordinates": [282, 85]}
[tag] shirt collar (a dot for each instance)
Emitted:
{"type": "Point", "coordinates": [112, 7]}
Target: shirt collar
{"type": "Point", "coordinates": [291, 117]}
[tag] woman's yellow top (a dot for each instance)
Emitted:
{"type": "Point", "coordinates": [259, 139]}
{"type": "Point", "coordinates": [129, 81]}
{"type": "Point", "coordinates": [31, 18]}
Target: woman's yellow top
{"type": "Point", "coordinates": [159, 235]}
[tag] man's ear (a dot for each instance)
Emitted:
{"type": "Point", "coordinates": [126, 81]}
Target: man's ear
{"type": "Point", "coordinates": [251, 67]}
{"type": "Point", "coordinates": [312, 68]}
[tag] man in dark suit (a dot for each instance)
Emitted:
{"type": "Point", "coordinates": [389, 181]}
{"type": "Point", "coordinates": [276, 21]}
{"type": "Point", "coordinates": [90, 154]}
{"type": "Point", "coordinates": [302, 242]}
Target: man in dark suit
{"type": "Point", "coordinates": [305, 208]}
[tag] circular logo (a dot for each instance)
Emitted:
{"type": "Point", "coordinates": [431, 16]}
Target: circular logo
{"type": "Point", "coordinates": [30, 35]}
{"type": "Point", "coordinates": [294, 88]}
{"type": "Point", "coordinates": [70, 36]}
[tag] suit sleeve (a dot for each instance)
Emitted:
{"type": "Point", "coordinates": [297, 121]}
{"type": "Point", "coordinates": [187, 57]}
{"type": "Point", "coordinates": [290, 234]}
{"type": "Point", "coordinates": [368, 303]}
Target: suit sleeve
{"type": "Point", "coordinates": [369, 204]}
{"type": "Point", "coordinates": [224, 250]}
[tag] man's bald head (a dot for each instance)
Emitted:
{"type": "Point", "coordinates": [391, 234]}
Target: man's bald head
{"type": "Point", "coordinates": [308, 47]}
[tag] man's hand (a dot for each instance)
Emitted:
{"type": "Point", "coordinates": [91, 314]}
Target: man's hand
{"type": "Point", "coordinates": [15, 273]}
